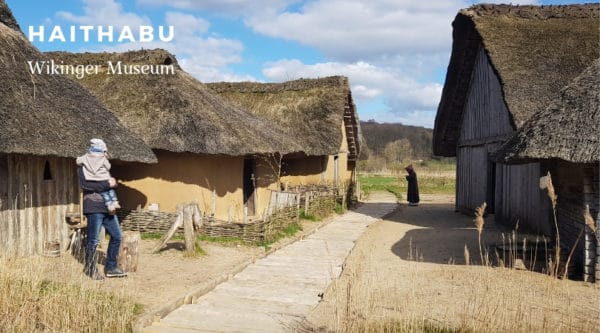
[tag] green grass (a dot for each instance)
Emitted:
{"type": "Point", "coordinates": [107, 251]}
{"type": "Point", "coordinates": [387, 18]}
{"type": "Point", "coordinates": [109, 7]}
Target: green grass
{"type": "Point", "coordinates": [157, 236]}
{"type": "Point", "coordinates": [434, 177]}
{"type": "Point", "coordinates": [222, 240]}
{"type": "Point", "coordinates": [151, 236]}
{"type": "Point", "coordinates": [288, 231]}
{"type": "Point", "coordinates": [339, 209]}
{"type": "Point", "coordinates": [309, 217]}
{"type": "Point", "coordinates": [371, 183]}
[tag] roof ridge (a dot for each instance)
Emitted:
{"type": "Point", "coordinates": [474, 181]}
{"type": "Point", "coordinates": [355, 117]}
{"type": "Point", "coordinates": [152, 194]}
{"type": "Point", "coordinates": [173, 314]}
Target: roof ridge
{"type": "Point", "coordinates": [542, 12]}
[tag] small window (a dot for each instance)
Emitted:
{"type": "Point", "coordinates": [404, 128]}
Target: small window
{"type": "Point", "coordinates": [47, 172]}
{"type": "Point", "coordinates": [168, 61]}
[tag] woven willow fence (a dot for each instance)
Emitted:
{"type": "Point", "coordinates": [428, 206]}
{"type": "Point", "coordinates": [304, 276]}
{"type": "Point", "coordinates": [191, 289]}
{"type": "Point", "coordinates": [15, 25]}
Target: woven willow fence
{"type": "Point", "coordinates": [316, 201]}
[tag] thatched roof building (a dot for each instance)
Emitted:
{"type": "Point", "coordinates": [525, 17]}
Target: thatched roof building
{"type": "Point", "coordinates": [535, 51]}
{"type": "Point", "coordinates": [43, 114]}
{"type": "Point", "coordinates": [45, 121]}
{"type": "Point", "coordinates": [310, 111]}
{"type": "Point", "coordinates": [569, 129]}
{"type": "Point", "coordinates": [175, 112]}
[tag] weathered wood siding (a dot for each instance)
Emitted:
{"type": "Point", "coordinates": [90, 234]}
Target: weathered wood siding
{"type": "Point", "coordinates": [519, 198]}
{"type": "Point", "coordinates": [32, 209]}
{"type": "Point", "coordinates": [591, 195]}
{"type": "Point", "coordinates": [576, 186]}
{"type": "Point", "coordinates": [486, 124]}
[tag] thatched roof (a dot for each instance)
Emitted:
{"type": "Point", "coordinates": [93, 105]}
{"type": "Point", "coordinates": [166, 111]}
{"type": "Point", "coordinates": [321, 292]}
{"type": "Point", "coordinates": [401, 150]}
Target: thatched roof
{"type": "Point", "coordinates": [51, 115]}
{"type": "Point", "coordinates": [534, 50]}
{"type": "Point", "coordinates": [569, 129]}
{"type": "Point", "coordinates": [175, 112]}
{"type": "Point", "coordinates": [311, 111]}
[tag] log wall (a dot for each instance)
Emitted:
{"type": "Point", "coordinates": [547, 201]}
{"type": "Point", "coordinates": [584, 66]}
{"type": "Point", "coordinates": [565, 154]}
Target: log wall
{"type": "Point", "coordinates": [35, 194]}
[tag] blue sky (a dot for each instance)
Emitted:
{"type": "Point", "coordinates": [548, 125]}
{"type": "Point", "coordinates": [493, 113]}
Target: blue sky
{"type": "Point", "coordinates": [395, 52]}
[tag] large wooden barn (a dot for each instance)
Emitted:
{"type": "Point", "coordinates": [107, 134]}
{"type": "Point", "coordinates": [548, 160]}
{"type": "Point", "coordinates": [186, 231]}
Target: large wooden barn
{"type": "Point", "coordinates": [565, 139]}
{"type": "Point", "coordinates": [318, 114]}
{"type": "Point", "coordinates": [208, 150]}
{"type": "Point", "coordinates": [45, 122]}
{"type": "Point", "coordinates": [507, 63]}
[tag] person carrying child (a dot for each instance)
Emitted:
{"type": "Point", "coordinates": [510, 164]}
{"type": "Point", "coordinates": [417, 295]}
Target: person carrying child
{"type": "Point", "coordinates": [96, 167]}
{"type": "Point", "coordinates": [97, 186]}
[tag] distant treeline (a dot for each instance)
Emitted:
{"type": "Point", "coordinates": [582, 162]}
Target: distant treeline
{"type": "Point", "coordinates": [377, 136]}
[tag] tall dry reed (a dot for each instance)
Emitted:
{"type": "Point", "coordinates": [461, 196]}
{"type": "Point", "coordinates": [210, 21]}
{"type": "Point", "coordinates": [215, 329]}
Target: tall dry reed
{"type": "Point", "coordinates": [479, 222]}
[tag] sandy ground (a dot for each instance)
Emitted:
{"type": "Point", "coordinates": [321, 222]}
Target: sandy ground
{"type": "Point", "coordinates": [161, 277]}
{"type": "Point", "coordinates": [410, 267]}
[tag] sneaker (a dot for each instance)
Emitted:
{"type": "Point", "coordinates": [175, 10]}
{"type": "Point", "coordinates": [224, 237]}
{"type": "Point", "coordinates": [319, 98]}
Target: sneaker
{"type": "Point", "coordinates": [115, 272]}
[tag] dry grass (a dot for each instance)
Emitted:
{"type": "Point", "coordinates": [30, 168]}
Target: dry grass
{"type": "Point", "coordinates": [379, 291]}
{"type": "Point", "coordinates": [31, 303]}
{"type": "Point", "coordinates": [461, 299]}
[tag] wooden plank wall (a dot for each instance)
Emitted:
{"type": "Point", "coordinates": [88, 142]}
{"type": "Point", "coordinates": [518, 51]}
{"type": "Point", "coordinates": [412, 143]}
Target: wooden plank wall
{"type": "Point", "coordinates": [485, 124]}
{"type": "Point", "coordinates": [485, 118]}
{"type": "Point", "coordinates": [591, 198]}
{"type": "Point", "coordinates": [33, 208]}
{"type": "Point", "coordinates": [577, 186]}
{"type": "Point", "coordinates": [471, 178]}
{"type": "Point", "coordinates": [520, 199]}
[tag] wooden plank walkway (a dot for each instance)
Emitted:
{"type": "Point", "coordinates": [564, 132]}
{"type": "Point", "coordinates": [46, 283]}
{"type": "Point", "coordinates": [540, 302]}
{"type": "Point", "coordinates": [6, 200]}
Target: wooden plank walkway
{"type": "Point", "coordinates": [278, 291]}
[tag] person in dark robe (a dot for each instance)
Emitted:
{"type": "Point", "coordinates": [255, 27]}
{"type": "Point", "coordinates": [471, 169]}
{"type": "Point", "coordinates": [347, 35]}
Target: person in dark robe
{"type": "Point", "coordinates": [413, 187]}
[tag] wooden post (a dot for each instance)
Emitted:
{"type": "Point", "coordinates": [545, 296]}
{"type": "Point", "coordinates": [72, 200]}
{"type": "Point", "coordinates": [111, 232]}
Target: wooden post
{"type": "Point", "coordinates": [214, 202]}
{"type": "Point", "coordinates": [188, 230]}
{"type": "Point", "coordinates": [343, 198]}
{"type": "Point", "coordinates": [171, 232]}
{"type": "Point", "coordinates": [297, 206]}
{"type": "Point", "coordinates": [196, 217]}
{"type": "Point", "coordinates": [129, 251]}
{"type": "Point", "coordinates": [306, 202]}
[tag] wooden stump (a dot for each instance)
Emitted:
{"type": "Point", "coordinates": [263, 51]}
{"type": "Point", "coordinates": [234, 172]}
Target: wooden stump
{"type": "Point", "coordinates": [129, 251]}
{"type": "Point", "coordinates": [188, 230]}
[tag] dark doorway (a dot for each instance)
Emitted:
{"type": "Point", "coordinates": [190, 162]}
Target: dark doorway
{"type": "Point", "coordinates": [490, 196]}
{"type": "Point", "coordinates": [249, 187]}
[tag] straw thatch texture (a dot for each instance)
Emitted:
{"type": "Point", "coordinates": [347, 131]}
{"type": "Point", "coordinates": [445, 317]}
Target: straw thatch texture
{"type": "Point", "coordinates": [310, 111]}
{"type": "Point", "coordinates": [569, 129]}
{"type": "Point", "coordinates": [535, 52]}
{"type": "Point", "coordinates": [7, 18]}
{"type": "Point", "coordinates": [175, 112]}
{"type": "Point", "coordinates": [43, 114]}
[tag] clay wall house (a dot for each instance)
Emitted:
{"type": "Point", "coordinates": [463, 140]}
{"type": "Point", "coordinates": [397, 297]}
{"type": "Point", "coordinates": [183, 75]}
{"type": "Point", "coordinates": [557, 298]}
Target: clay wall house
{"type": "Point", "coordinates": [45, 122]}
{"type": "Point", "coordinates": [317, 114]}
{"type": "Point", "coordinates": [209, 151]}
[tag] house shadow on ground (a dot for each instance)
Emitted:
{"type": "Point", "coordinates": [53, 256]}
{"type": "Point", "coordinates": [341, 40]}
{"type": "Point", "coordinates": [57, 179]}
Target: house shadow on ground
{"type": "Point", "coordinates": [435, 233]}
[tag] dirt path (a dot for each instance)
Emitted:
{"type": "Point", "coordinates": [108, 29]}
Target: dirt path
{"type": "Point", "coordinates": [409, 269]}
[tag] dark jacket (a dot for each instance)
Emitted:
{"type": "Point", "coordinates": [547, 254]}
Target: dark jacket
{"type": "Point", "coordinates": [92, 200]}
{"type": "Point", "coordinates": [413, 187]}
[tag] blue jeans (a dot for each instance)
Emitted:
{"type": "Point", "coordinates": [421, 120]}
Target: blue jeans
{"type": "Point", "coordinates": [111, 225]}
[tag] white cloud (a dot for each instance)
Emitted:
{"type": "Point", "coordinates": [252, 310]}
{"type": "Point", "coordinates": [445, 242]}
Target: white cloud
{"type": "Point", "coordinates": [404, 97]}
{"type": "Point", "coordinates": [235, 8]}
{"type": "Point", "coordinates": [104, 12]}
{"type": "Point", "coordinates": [204, 56]}
{"type": "Point", "coordinates": [381, 31]}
